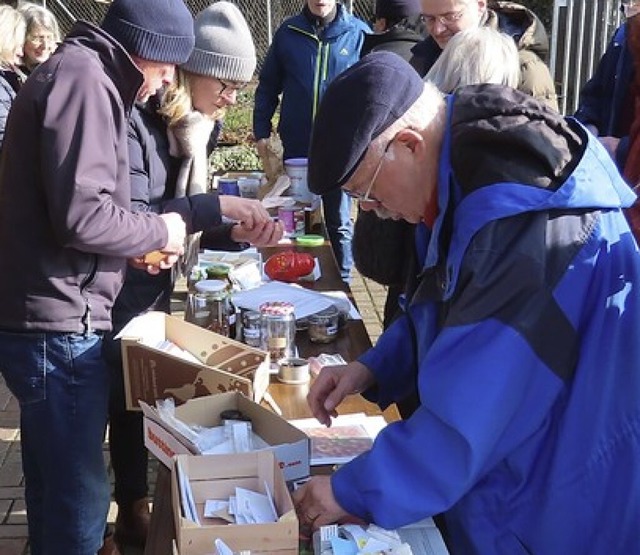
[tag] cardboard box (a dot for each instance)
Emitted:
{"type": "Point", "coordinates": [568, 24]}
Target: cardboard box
{"type": "Point", "coordinates": [216, 477]}
{"type": "Point", "coordinates": [220, 364]}
{"type": "Point", "coordinates": [289, 444]}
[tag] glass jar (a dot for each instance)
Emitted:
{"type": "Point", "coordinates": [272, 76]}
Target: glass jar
{"type": "Point", "coordinates": [277, 329]}
{"type": "Point", "coordinates": [323, 326]}
{"type": "Point", "coordinates": [210, 307]}
{"type": "Point", "coordinates": [251, 328]}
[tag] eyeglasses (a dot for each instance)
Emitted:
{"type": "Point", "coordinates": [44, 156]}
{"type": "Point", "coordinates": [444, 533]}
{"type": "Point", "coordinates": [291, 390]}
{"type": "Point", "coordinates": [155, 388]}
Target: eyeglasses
{"type": "Point", "coordinates": [367, 196]}
{"type": "Point", "coordinates": [447, 19]}
{"type": "Point", "coordinates": [39, 40]}
{"type": "Point", "coordinates": [229, 88]}
{"type": "Point", "coordinates": [631, 7]}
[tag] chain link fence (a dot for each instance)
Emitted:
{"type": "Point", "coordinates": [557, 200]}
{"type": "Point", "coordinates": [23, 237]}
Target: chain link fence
{"type": "Point", "coordinates": [264, 16]}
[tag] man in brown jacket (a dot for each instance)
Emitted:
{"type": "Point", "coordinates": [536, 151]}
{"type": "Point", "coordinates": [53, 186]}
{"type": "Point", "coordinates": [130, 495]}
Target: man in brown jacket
{"type": "Point", "coordinates": [66, 228]}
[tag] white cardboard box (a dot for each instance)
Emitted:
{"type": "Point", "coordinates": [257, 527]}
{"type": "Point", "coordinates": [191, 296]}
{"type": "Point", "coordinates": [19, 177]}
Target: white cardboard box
{"type": "Point", "coordinates": [289, 444]}
{"type": "Point", "coordinates": [218, 364]}
{"type": "Point", "coordinates": [216, 477]}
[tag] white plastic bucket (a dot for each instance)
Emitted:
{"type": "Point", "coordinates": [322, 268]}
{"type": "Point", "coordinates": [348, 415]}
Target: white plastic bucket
{"type": "Point", "coordinates": [296, 170]}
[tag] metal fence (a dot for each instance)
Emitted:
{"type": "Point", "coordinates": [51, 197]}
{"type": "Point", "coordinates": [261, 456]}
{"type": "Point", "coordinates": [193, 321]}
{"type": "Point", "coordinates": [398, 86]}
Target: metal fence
{"type": "Point", "coordinates": [580, 33]}
{"type": "Point", "coordinates": [263, 16]}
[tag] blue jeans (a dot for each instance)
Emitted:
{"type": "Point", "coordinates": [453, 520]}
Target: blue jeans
{"type": "Point", "coordinates": [337, 218]}
{"type": "Point", "coordinates": [62, 385]}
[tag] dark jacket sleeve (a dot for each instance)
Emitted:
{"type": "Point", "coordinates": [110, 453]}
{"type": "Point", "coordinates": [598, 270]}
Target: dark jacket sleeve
{"type": "Point", "coordinates": [596, 95]}
{"type": "Point", "coordinates": [266, 97]}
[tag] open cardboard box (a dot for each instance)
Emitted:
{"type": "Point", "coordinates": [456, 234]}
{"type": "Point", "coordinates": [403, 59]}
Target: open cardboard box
{"type": "Point", "coordinates": [289, 444]}
{"type": "Point", "coordinates": [216, 477]}
{"type": "Point", "coordinates": [220, 364]}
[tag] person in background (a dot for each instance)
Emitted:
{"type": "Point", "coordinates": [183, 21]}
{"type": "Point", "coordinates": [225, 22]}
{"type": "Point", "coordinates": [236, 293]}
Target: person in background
{"type": "Point", "coordinates": [384, 249]}
{"type": "Point", "coordinates": [12, 32]}
{"type": "Point", "coordinates": [168, 138]}
{"type": "Point", "coordinates": [606, 103]}
{"type": "Point", "coordinates": [43, 35]}
{"type": "Point", "coordinates": [66, 225]}
{"type": "Point", "coordinates": [308, 51]}
{"type": "Point", "coordinates": [477, 55]}
{"type": "Point", "coordinates": [522, 332]}
{"type": "Point", "coordinates": [445, 18]}
{"type": "Point", "coordinates": [397, 27]}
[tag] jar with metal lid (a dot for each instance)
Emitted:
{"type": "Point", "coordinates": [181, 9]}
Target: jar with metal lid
{"type": "Point", "coordinates": [323, 326]}
{"type": "Point", "coordinates": [277, 329]}
{"type": "Point", "coordinates": [210, 307]}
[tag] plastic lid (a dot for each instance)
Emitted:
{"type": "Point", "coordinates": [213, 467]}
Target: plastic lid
{"type": "Point", "coordinates": [310, 240]}
{"type": "Point", "coordinates": [277, 308]}
{"type": "Point", "coordinates": [210, 286]}
{"type": "Point", "coordinates": [296, 162]}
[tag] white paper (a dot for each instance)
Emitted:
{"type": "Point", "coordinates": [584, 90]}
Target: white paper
{"type": "Point", "coordinates": [254, 507]}
{"type": "Point", "coordinates": [186, 495]}
{"type": "Point", "coordinates": [424, 538]}
{"type": "Point", "coordinates": [305, 302]}
{"type": "Point", "coordinates": [212, 506]}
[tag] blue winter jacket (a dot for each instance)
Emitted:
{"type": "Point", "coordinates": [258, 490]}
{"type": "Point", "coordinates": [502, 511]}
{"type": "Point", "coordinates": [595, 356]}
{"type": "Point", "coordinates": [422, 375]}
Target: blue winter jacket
{"type": "Point", "coordinates": [300, 65]}
{"type": "Point", "coordinates": [522, 338]}
{"type": "Point", "coordinates": [602, 97]}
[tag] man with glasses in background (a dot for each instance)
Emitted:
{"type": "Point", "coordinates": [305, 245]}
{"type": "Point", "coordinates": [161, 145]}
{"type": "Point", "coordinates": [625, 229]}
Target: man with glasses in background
{"type": "Point", "coordinates": [521, 338]}
{"type": "Point", "coordinates": [445, 18]}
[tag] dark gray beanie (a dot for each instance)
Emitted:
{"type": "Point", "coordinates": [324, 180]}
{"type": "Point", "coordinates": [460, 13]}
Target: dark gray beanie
{"type": "Point", "coordinates": [155, 30]}
{"type": "Point", "coordinates": [397, 9]}
{"type": "Point", "coordinates": [224, 47]}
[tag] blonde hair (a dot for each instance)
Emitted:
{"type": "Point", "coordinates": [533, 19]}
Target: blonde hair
{"type": "Point", "coordinates": [475, 56]}
{"type": "Point", "coordinates": [176, 101]}
{"type": "Point", "coordinates": [13, 29]}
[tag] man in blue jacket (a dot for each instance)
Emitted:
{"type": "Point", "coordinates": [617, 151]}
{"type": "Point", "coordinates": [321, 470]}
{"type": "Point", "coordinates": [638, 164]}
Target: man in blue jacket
{"type": "Point", "coordinates": [308, 51]}
{"type": "Point", "coordinates": [521, 337]}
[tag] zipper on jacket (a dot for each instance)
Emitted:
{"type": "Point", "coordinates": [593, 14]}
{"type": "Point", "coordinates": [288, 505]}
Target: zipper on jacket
{"type": "Point", "coordinates": [88, 280]}
{"type": "Point", "coordinates": [320, 72]}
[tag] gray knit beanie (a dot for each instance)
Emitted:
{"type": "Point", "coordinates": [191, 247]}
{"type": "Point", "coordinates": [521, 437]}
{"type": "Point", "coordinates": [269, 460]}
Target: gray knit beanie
{"type": "Point", "coordinates": [155, 30]}
{"type": "Point", "coordinates": [224, 47]}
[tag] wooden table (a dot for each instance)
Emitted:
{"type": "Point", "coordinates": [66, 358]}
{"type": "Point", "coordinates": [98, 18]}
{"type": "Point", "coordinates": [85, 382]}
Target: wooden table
{"type": "Point", "coordinates": [352, 341]}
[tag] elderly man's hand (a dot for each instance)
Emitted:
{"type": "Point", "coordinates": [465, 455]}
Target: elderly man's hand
{"type": "Point", "coordinates": [333, 384]}
{"type": "Point", "coordinates": [316, 506]}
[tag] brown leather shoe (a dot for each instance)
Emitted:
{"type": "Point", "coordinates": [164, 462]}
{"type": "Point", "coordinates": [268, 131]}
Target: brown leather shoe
{"type": "Point", "coordinates": [109, 546]}
{"type": "Point", "coordinates": [132, 523]}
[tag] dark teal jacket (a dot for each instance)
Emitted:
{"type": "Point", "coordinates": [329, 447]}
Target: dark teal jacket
{"type": "Point", "coordinates": [300, 65]}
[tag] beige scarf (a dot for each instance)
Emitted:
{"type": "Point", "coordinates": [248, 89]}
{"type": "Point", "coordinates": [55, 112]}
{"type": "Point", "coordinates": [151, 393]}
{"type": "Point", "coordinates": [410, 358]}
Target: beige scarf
{"type": "Point", "coordinates": [188, 139]}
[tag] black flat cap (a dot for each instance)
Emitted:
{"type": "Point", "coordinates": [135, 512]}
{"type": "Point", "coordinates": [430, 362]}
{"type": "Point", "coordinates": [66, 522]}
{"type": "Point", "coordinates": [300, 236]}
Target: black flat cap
{"type": "Point", "coordinates": [357, 107]}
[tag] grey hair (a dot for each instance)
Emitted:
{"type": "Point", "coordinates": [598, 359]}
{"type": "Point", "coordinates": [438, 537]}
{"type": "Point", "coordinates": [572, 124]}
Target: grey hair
{"type": "Point", "coordinates": [475, 56]}
{"type": "Point", "coordinates": [36, 15]}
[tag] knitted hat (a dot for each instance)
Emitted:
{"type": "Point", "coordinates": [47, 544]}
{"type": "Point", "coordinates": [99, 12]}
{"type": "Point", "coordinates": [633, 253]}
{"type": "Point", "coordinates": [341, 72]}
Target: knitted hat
{"type": "Point", "coordinates": [397, 9]}
{"type": "Point", "coordinates": [155, 30]}
{"type": "Point", "coordinates": [358, 106]}
{"type": "Point", "coordinates": [224, 47]}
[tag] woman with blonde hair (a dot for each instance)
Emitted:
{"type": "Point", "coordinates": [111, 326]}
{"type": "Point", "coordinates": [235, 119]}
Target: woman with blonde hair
{"type": "Point", "coordinates": [12, 33]}
{"type": "Point", "coordinates": [43, 35]}
{"type": "Point", "coordinates": [169, 143]}
{"type": "Point", "coordinates": [477, 55]}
